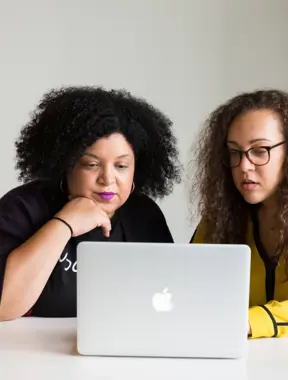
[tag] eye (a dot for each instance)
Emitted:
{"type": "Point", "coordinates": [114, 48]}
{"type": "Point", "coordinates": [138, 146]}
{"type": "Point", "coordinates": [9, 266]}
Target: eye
{"type": "Point", "coordinates": [122, 166]}
{"type": "Point", "coordinates": [258, 151]}
{"type": "Point", "coordinates": [90, 165]}
{"type": "Point", "coordinates": [234, 152]}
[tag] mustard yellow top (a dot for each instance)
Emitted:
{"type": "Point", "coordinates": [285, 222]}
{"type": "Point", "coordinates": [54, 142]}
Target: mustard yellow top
{"type": "Point", "coordinates": [268, 312]}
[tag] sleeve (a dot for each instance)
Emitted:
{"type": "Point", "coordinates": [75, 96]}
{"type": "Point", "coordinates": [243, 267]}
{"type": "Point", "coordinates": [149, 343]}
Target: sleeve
{"type": "Point", "coordinates": [270, 320]}
{"type": "Point", "coordinates": [17, 224]}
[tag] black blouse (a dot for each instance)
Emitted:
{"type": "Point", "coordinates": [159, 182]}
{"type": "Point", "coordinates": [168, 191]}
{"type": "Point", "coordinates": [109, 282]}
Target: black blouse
{"type": "Point", "coordinates": [26, 208]}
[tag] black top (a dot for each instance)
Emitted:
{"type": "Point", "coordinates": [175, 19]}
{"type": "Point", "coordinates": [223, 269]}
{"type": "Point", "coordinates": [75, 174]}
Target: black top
{"type": "Point", "coordinates": [269, 262]}
{"type": "Point", "coordinates": [26, 208]}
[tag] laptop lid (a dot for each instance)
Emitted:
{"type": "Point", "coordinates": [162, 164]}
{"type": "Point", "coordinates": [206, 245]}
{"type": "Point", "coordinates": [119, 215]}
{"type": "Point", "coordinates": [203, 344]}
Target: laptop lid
{"type": "Point", "coordinates": [162, 300]}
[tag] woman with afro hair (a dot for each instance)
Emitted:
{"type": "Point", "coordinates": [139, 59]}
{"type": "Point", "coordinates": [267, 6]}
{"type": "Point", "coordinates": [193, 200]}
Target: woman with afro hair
{"type": "Point", "coordinates": [242, 181]}
{"type": "Point", "coordinates": [91, 161]}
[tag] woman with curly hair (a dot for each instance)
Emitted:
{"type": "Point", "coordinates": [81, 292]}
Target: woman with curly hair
{"type": "Point", "coordinates": [91, 161]}
{"type": "Point", "coordinates": [242, 181]}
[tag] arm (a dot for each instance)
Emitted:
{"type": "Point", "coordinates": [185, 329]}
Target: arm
{"type": "Point", "coordinates": [270, 320]}
{"type": "Point", "coordinates": [28, 268]}
{"type": "Point", "coordinates": [27, 262]}
{"type": "Point", "coordinates": [265, 321]}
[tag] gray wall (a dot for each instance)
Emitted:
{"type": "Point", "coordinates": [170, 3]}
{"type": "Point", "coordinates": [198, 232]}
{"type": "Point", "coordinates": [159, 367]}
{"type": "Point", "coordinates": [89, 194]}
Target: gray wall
{"type": "Point", "coordinates": [185, 56]}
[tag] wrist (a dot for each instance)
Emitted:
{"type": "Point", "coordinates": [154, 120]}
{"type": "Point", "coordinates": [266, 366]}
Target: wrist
{"type": "Point", "coordinates": [65, 223]}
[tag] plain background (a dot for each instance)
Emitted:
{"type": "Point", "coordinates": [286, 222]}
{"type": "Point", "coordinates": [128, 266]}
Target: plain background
{"type": "Point", "coordinates": [184, 56]}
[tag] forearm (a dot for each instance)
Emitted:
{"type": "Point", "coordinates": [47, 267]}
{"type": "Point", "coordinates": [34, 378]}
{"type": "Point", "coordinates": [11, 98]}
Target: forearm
{"type": "Point", "coordinates": [28, 268]}
{"type": "Point", "coordinates": [270, 320]}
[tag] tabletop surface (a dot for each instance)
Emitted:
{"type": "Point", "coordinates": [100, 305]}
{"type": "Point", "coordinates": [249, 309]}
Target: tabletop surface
{"type": "Point", "coordinates": [35, 348]}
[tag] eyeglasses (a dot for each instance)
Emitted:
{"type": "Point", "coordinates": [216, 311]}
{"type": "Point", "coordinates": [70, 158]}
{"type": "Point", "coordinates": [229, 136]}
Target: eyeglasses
{"type": "Point", "coordinates": [258, 156]}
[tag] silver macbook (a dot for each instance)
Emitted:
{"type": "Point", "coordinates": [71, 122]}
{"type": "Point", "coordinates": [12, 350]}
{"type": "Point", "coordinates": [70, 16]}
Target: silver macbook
{"type": "Point", "coordinates": [162, 300]}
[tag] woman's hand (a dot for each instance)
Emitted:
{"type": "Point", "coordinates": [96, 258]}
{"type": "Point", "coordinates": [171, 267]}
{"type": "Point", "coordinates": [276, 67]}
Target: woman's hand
{"type": "Point", "coordinates": [83, 215]}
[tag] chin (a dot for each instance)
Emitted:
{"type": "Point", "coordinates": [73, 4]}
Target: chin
{"type": "Point", "coordinates": [253, 199]}
{"type": "Point", "coordinates": [110, 209]}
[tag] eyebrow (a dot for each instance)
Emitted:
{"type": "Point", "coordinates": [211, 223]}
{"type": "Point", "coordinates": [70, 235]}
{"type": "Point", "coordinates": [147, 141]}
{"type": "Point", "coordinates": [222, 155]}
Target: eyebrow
{"type": "Point", "coordinates": [98, 158]}
{"type": "Point", "coordinates": [253, 141]}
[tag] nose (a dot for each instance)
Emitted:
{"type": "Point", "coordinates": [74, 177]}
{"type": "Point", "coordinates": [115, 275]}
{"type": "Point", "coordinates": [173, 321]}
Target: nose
{"type": "Point", "coordinates": [107, 176]}
{"type": "Point", "coordinates": [245, 164]}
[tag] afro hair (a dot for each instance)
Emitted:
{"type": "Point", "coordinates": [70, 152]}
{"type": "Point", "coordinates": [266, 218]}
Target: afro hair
{"type": "Point", "coordinates": [70, 119]}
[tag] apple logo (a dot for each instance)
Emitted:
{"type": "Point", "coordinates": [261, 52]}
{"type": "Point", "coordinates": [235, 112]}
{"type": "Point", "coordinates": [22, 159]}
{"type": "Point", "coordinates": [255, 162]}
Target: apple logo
{"type": "Point", "coordinates": [162, 302]}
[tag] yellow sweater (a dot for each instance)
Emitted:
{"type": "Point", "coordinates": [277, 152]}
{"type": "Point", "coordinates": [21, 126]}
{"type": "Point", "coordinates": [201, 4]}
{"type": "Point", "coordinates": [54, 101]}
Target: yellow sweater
{"type": "Point", "coordinates": [268, 312]}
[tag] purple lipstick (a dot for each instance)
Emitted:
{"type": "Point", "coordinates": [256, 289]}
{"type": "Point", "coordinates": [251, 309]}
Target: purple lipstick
{"type": "Point", "coordinates": [106, 196]}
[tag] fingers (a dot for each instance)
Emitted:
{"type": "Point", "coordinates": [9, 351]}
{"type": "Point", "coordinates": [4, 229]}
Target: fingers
{"type": "Point", "coordinates": [102, 219]}
{"type": "Point", "coordinates": [106, 225]}
{"type": "Point", "coordinates": [106, 228]}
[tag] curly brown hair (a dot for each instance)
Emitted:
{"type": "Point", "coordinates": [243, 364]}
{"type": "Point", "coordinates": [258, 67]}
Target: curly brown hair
{"type": "Point", "coordinates": [221, 207]}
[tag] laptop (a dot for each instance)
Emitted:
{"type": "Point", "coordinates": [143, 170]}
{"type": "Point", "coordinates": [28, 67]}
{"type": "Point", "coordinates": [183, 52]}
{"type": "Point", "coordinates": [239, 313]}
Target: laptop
{"type": "Point", "coordinates": [162, 300]}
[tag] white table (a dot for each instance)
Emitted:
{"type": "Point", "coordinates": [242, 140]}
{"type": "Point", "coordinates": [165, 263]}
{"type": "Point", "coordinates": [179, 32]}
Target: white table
{"type": "Point", "coordinates": [42, 349]}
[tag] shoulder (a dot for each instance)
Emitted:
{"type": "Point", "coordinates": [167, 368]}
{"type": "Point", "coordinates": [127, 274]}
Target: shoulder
{"type": "Point", "coordinates": [33, 201]}
{"type": "Point", "coordinates": [26, 192]}
{"type": "Point", "coordinates": [144, 206]}
{"type": "Point", "coordinates": [199, 234]}
{"type": "Point", "coordinates": [23, 210]}
{"type": "Point", "coordinates": [144, 220]}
